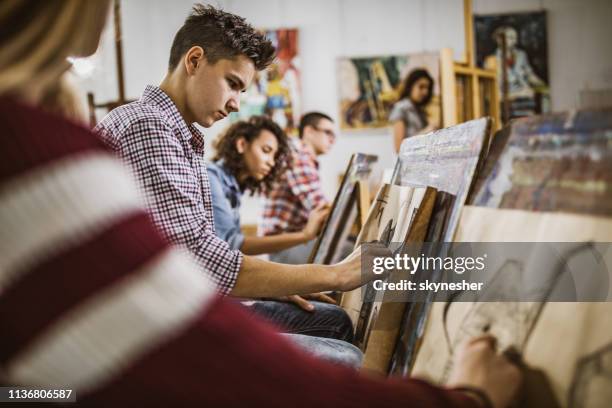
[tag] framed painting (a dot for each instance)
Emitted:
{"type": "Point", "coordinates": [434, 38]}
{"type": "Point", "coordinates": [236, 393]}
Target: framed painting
{"type": "Point", "coordinates": [525, 62]}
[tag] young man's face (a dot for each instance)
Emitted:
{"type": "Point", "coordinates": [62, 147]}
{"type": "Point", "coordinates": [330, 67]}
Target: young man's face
{"type": "Point", "coordinates": [321, 137]}
{"type": "Point", "coordinates": [213, 91]}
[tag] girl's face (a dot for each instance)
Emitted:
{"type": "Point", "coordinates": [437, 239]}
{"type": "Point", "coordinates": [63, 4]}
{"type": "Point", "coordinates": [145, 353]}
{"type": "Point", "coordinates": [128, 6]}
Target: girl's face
{"type": "Point", "coordinates": [258, 155]}
{"type": "Point", "coordinates": [419, 90]}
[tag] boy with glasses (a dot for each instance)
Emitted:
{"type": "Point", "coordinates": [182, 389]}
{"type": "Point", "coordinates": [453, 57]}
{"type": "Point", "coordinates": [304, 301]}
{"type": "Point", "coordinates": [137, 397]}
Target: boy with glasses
{"type": "Point", "coordinates": [289, 204]}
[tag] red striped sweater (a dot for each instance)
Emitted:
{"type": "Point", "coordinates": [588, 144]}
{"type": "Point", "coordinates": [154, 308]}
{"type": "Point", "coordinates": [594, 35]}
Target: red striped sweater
{"type": "Point", "coordinates": [91, 297]}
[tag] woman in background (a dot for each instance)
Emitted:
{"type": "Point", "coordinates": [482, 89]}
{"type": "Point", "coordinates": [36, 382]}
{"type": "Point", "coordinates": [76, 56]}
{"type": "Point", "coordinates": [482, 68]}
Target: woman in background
{"type": "Point", "coordinates": [408, 115]}
{"type": "Point", "coordinates": [250, 156]}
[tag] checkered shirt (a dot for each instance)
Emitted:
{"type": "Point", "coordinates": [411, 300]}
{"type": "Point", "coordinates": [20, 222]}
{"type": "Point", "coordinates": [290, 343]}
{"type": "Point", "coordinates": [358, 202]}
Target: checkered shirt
{"type": "Point", "coordinates": [288, 205]}
{"type": "Point", "coordinates": [167, 157]}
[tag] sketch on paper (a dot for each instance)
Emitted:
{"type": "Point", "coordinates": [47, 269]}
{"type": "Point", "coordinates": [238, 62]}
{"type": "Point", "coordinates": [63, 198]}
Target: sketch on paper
{"type": "Point", "coordinates": [592, 379]}
{"type": "Point", "coordinates": [387, 223]}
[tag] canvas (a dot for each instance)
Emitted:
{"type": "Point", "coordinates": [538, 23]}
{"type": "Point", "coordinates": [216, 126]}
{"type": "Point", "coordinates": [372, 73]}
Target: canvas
{"type": "Point", "coordinates": [567, 357]}
{"type": "Point", "coordinates": [381, 318]}
{"type": "Point", "coordinates": [556, 162]}
{"type": "Point", "coordinates": [385, 223]}
{"type": "Point", "coordinates": [447, 161]}
{"type": "Point", "coordinates": [331, 245]}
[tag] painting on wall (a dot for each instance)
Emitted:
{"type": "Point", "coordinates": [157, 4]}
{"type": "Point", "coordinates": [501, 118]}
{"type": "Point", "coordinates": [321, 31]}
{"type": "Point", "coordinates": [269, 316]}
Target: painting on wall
{"type": "Point", "coordinates": [368, 87]}
{"type": "Point", "coordinates": [526, 61]}
{"type": "Point", "coordinates": [276, 91]}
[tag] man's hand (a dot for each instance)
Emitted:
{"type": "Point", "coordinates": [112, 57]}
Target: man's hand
{"type": "Point", "coordinates": [348, 272]}
{"type": "Point", "coordinates": [321, 297]}
{"type": "Point", "coordinates": [302, 303]}
{"type": "Point", "coordinates": [478, 365]}
{"type": "Point", "coordinates": [315, 221]}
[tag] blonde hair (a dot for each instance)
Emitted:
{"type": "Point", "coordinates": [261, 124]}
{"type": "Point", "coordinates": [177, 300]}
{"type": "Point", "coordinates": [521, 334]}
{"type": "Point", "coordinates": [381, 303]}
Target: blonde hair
{"type": "Point", "coordinates": [38, 36]}
{"type": "Point", "coordinates": [62, 98]}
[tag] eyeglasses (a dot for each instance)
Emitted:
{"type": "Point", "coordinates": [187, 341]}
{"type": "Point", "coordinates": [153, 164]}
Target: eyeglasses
{"type": "Point", "coordinates": [328, 132]}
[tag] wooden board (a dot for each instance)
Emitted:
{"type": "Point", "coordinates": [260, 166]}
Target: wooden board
{"type": "Point", "coordinates": [447, 161]}
{"type": "Point", "coordinates": [389, 203]}
{"type": "Point", "coordinates": [384, 325]}
{"type": "Point", "coordinates": [328, 246]}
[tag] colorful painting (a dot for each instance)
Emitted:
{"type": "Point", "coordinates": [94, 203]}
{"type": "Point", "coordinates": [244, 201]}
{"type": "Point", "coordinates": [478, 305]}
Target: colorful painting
{"type": "Point", "coordinates": [276, 91]}
{"type": "Point", "coordinates": [555, 162]}
{"type": "Point", "coordinates": [368, 87]}
{"type": "Point", "coordinates": [526, 59]}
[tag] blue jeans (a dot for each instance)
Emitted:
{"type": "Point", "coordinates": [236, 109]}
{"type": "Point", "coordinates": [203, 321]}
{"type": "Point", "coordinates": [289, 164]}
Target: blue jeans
{"type": "Point", "coordinates": [331, 350]}
{"type": "Point", "coordinates": [329, 321]}
{"type": "Point", "coordinates": [325, 333]}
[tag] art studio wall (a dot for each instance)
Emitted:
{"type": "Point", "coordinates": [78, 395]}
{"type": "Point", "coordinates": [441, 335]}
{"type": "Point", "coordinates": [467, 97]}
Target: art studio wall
{"type": "Point", "coordinates": [579, 55]}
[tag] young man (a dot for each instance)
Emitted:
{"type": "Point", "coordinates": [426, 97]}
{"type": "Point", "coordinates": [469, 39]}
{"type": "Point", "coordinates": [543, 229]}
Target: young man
{"type": "Point", "coordinates": [289, 204]}
{"type": "Point", "coordinates": [213, 59]}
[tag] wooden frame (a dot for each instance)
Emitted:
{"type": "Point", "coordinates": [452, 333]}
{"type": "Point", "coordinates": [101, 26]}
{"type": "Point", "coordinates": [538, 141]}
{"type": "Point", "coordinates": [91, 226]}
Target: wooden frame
{"type": "Point", "coordinates": [468, 92]}
{"type": "Point", "coordinates": [121, 100]}
{"type": "Point", "coordinates": [351, 202]}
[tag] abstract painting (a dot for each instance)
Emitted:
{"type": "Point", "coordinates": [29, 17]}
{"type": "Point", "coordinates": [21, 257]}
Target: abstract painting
{"type": "Point", "coordinates": [276, 91]}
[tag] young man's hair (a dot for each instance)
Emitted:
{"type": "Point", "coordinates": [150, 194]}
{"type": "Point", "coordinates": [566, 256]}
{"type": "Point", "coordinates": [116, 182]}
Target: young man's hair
{"type": "Point", "coordinates": [225, 147]}
{"type": "Point", "coordinates": [221, 35]}
{"type": "Point", "coordinates": [312, 119]}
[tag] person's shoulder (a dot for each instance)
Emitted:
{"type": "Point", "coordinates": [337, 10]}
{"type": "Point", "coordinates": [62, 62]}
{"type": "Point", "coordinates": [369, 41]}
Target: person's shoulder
{"type": "Point", "coordinates": [213, 169]}
{"type": "Point", "coordinates": [217, 172]}
{"type": "Point", "coordinates": [404, 104]}
{"type": "Point", "coordinates": [32, 137]}
{"type": "Point", "coordinates": [133, 116]}
{"type": "Point", "coordinates": [298, 149]}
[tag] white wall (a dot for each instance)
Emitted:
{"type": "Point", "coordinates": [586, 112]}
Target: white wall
{"type": "Point", "coordinates": [579, 30]}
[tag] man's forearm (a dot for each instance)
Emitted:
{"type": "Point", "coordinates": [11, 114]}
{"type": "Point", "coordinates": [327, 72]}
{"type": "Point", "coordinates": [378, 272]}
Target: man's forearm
{"type": "Point", "coordinates": [259, 278]}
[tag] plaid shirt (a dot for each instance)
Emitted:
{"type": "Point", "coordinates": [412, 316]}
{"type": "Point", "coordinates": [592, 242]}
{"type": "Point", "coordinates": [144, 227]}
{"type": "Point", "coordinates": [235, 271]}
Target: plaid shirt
{"type": "Point", "coordinates": [288, 205]}
{"type": "Point", "coordinates": [167, 157]}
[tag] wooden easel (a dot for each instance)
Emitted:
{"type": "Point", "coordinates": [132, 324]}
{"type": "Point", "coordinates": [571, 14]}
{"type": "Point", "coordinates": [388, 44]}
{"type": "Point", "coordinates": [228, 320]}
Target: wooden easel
{"type": "Point", "coordinates": [121, 100]}
{"type": "Point", "coordinates": [349, 209]}
{"type": "Point", "coordinates": [468, 92]}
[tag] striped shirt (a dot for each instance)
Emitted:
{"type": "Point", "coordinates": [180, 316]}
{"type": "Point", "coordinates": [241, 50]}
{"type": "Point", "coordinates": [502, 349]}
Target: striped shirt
{"type": "Point", "coordinates": [93, 299]}
{"type": "Point", "coordinates": [288, 204]}
{"type": "Point", "coordinates": [167, 157]}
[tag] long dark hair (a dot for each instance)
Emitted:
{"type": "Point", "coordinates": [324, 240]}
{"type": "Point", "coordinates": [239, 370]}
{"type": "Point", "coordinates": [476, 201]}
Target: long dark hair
{"type": "Point", "coordinates": [411, 79]}
{"type": "Point", "coordinates": [250, 129]}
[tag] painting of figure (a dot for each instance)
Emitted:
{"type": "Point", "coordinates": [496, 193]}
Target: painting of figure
{"type": "Point", "coordinates": [525, 62]}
